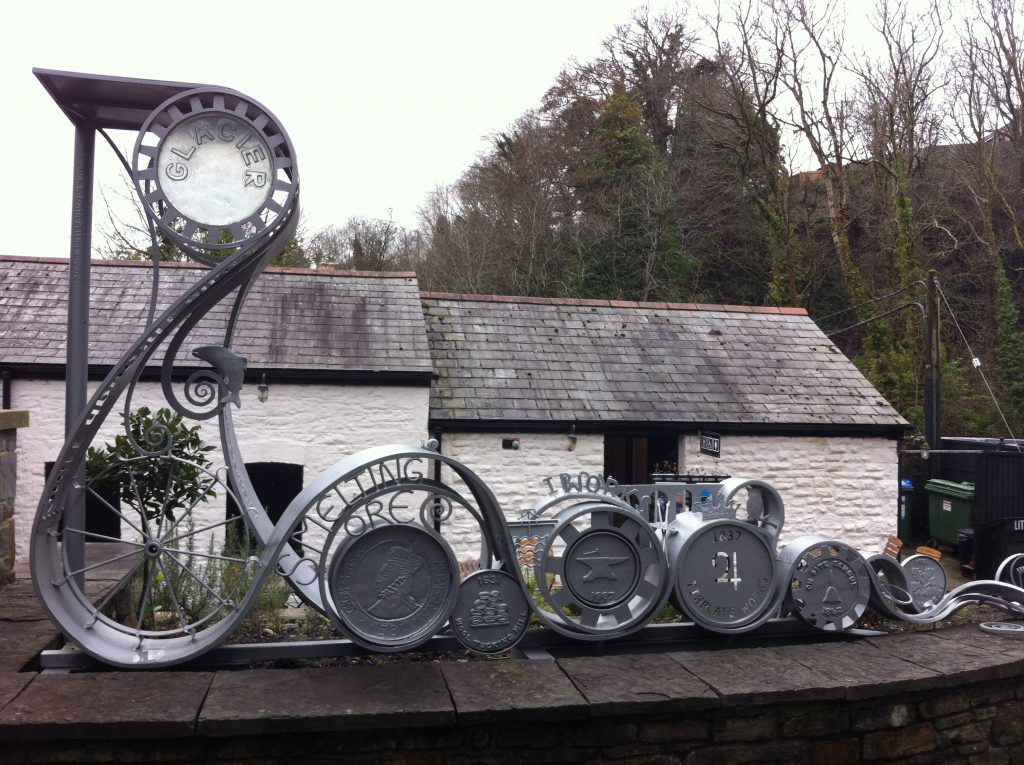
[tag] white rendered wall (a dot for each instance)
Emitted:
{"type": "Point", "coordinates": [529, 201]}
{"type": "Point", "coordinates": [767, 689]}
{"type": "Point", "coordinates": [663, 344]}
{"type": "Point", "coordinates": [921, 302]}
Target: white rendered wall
{"type": "Point", "coordinates": [311, 425]}
{"type": "Point", "coordinates": [842, 488]}
{"type": "Point", "coordinates": [517, 476]}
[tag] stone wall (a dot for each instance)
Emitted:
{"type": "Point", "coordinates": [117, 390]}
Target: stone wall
{"type": "Point", "coordinates": [10, 421]}
{"type": "Point", "coordinates": [846, 488]}
{"type": "Point", "coordinates": [978, 724]}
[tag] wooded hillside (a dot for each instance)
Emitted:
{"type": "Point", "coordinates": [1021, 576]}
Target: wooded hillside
{"type": "Point", "coordinates": [675, 167]}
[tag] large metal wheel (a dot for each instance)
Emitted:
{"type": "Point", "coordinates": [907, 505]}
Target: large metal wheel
{"type": "Point", "coordinates": [723, 573]}
{"type": "Point", "coordinates": [828, 583]}
{"type": "Point", "coordinates": [602, 571]}
{"type": "Point", "coordinates": [163, 582]}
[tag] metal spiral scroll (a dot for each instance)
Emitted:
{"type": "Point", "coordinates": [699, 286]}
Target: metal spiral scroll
{"type": "Point", "coordinates": [164, 584]}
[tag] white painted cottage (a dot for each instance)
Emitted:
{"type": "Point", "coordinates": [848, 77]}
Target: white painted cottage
{"type": "Point", "coordinates": [517, 388]}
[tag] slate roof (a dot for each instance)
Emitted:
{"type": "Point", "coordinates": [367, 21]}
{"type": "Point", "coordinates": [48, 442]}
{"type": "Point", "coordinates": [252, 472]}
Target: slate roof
{"type": "Point", "coordinates": [535, 360]}
{"type": "Point", "coordinates": [320, 323]}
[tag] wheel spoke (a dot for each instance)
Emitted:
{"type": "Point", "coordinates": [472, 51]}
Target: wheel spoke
{"type": "Point", "coordinates": [172, 466]}
{"type": "Point", "coordinates": [200, 582]}
{"type": "Point", "coordinates": [117, 589]}
{"type": "Point", "coordinates": [94, 535]}
{"type": "Point", "coordinates": [210, 556]}
{"type": "Point", "coordinates": [141, 506]}
{"type": "Point", "coordinates": [197, 532]}
{"type": "Point", "coordinates": [146, 591]}
{"type": "Point", "coordinates": [561, 598]}
{"type": "Point", "coordinates": [569, 534]}
{"type": "Point", "coordinates": [107, 562]}
{"type": "Point", "coordinates": [622, 614]}
{"type": "Point", "coordinates": [116, 512]}
{"type": "Point", "coordinates": [182, 621]}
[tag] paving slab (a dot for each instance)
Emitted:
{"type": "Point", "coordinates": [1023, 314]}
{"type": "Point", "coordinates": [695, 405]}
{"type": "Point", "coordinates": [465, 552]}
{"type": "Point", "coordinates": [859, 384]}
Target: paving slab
{"type": "Point", "coordinates": [744, 676]}
{"type": "Point", "coordinates": [326, 698]}
{"type": "Point", "coordinates": [627, 684]}
{"type": "Point", "coordinates": [970, 636]}
{"type": "Point", "coordinates": [863, 669]}
{"type": "Point", "coordinates": [958, 660]}
{"type": "Point", "coordinates": [11, 684]}
{"type": "Point", "coordinates": [116, 705]}
{"type": "Point", "coordinates": [516, 689]}
{"type": "Point", "coordinates": [19, 603]}
{"type": "Point", "coordinates": [21, 642]}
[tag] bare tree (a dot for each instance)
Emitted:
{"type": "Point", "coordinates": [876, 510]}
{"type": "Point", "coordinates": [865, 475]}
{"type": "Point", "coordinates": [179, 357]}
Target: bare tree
{"type": "Point", "coordinates": [808, 43]}
{"type": "Point", "coordinates": [898, 121]}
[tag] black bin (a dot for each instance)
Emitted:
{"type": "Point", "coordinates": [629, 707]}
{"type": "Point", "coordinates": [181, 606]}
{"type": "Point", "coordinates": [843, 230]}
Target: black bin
{"type": "Point", "coordinates": [994, 543]}
{"type": "Point", "coordinates": [965, 547]}
{"type": "Point", "coordinates": [999, 488]}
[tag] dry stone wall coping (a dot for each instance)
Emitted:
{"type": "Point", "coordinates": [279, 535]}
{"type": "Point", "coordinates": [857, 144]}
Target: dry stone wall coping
{"type": "Point", "coordinates": [13, 418]}
{"type": "Point", "coordinates": [36, 709]}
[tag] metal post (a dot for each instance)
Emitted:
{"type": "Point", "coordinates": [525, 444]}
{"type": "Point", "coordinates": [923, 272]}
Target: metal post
{"type": "Point", "coordinates": [932, 378]}
{"type": "Point", "coordinates": [77, 375]}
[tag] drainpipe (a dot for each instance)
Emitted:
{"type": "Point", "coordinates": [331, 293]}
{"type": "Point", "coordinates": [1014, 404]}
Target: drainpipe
{"type": "Point", "coordinates": [5, 385]}
{"type": "Point", "coordinates": [436, 435]}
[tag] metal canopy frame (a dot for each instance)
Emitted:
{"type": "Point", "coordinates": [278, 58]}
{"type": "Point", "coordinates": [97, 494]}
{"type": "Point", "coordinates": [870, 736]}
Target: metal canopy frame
{"type": "Point", "coordinates": [101, 101]}
{"type": "Point", "coordinates": [92, 102]}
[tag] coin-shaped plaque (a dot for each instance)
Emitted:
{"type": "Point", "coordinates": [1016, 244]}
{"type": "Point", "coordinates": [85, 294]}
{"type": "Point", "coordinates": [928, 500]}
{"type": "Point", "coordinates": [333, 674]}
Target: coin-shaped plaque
{"type": "Point", "coordinates": [491, 613]}
{"type": "Point", "coordinates": [926, 580]}
{"type": "Point", "coordinates": [602, 568]}
{"type": "Point", "coordinates": [724, 575]}
{"type": "Point", "coordinates": [215, 169]}
{"type": "Point", "coordinates": [829, 585]}
{"type": "Point", "coordinates": [393, 586]}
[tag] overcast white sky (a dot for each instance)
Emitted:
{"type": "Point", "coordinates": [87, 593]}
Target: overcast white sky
{"type": "Point", "coordinates": [383, 100]}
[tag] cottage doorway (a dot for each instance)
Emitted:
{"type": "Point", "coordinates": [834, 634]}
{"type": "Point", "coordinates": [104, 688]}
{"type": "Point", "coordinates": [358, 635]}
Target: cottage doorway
{"type": "Point", "coordinates": [632, 458]}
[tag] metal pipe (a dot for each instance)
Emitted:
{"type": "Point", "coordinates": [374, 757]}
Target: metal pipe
{"type": "Point", "coordinates": [77, 376]}
{"type": "Point", "coordinates": [5, 384]}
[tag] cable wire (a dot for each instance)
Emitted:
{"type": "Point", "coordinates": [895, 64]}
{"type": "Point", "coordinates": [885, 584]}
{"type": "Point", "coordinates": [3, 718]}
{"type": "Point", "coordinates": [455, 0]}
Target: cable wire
{"type": "Point", "coordinates": [878, 316]}
{"type": "Point", "coordinates": [978, 365]}
{"type": "Point", "coordinates": [872, 300]}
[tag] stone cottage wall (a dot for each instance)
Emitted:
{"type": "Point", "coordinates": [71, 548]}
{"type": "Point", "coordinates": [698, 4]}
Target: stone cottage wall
{"type": "Point", "coordinates": [845, 488]}
{"type": "Point", "coordinates": [10, 421]}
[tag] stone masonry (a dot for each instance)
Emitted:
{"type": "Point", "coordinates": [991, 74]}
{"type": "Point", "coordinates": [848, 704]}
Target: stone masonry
{"type": "Point", "coordinates": [10, 421]}
{"type": "Point", "coordinates": [930, 698]}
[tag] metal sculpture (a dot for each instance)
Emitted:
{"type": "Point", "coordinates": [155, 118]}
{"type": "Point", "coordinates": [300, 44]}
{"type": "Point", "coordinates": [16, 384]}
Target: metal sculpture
{"type": "Point", "coordinates": [368, 542]}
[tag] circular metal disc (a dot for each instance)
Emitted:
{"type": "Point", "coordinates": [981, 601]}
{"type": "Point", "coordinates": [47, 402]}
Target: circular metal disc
{"type": "Point", "coordinates": [393, 586]}
{"type": "Point", "coordinates": [1009, 629]}
{"type": "Point", "coordinates": [602, 568]}
{"type": "Point", "coordinates": [492, 612]}
{"type": "Point", "coordinates": [725, 574]}
{"type": "Point", "coordinates": [926, 580]}
{"type": "Point", "coordinates": [215, 169]}
{"type": "Point", "coordinates": [831, 586]}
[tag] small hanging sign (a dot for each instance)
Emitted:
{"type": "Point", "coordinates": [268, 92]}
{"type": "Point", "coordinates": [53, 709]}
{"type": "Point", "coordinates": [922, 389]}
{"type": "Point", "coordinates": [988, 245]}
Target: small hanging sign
{"type": "Point", "coordinates": [710, 443]}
